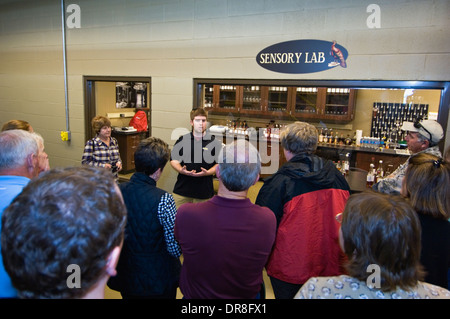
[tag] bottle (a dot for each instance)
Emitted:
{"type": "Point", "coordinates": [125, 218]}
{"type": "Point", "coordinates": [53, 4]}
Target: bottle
{"type": "Point", "coordinates": [325, 137]}
{"type": "Point", "coordinates": [321, 136]}
{"type": "Point", "coordinates": [389, 170]}
{"type": "Point", "coordinates": [380, 171]}
{"type": "Point", "coordinates": [339, 166]}
{"type": "Point", "coordinates": [348, 140]}
{"type": "Point", "coordinates": [370, 180]}
{"type": "Point", "coordinates": [346, 164]}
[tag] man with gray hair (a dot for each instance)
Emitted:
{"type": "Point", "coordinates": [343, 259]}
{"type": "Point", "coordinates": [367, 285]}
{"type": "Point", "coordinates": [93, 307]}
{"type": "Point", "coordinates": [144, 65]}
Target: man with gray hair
{"type": "Point", "coordinates": [305, 194]}
{"type": "Point", "coordinates": [422, 136]}
{"type": "Point", "coordinates": [19, 163]}
{"type": "Point", "coordinates": [226, 241]}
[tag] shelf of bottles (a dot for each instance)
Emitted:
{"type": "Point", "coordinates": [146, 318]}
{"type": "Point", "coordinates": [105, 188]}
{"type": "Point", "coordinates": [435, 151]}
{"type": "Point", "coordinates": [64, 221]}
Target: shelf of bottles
{"type": "Point", "coordinates": [306, 100]}
{"type": "Point", "coordinates": [387, 118]}
{"type": "Point", "coordinates": [337, 101]}
{"type": "Point", "coordinates": [208, 94]}
{"type": "Point", "coordinates": [251, 99]}
{"type": "Point", "coordinates": [227, 97]}
{"type": "Point", "coordinates": [278, 98]}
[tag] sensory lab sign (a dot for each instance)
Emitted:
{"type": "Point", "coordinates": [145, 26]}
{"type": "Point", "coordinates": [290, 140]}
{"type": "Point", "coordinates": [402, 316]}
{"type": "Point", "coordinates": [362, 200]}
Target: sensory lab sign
{"type": "Point", "coordinates": [302, 56]}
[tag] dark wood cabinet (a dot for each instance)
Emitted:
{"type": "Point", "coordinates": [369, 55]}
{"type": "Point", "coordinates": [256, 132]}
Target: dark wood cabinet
{"type": "Point", "coordinates": [128, 142]}
{"type": "Point", "coordinates": [281, 102]}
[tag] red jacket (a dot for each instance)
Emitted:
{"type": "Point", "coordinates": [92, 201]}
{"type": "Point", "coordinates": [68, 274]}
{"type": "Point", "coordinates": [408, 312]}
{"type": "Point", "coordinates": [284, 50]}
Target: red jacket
{"type": "Point", "coordinates": [305, 194]}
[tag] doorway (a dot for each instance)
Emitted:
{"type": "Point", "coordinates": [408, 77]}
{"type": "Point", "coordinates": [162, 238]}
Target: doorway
{"type": "Point", "coordinates": [109, 91]}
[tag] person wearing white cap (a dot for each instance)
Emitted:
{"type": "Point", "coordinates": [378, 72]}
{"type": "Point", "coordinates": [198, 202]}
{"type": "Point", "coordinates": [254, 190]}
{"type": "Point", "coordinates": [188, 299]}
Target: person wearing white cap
{"type": "Point", "coordinates": [422, 136]}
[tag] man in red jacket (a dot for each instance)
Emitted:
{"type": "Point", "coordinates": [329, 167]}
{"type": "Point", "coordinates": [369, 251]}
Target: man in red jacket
{"type": "Point", "coordinates": [305, 194]}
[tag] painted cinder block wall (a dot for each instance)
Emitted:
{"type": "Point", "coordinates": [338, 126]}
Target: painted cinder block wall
{"type": "Point", "coordinates": [174, 41]}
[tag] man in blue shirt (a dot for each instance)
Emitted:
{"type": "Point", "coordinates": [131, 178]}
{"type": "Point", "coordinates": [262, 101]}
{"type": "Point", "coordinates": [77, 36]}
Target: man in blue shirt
{"type": "Point", "coordinates": [19, 163]}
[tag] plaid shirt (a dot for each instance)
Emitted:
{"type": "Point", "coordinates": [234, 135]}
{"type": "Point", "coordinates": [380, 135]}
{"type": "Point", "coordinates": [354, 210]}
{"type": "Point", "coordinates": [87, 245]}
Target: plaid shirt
{"type": "Point", "coordinates": [97, 153]}
{"type": "Point", "coordinates": [167, 212]}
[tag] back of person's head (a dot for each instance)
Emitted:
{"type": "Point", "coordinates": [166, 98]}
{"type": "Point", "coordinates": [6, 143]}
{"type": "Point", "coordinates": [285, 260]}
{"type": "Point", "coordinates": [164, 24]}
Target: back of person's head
{"type": "Point", "coordinates": [100, 121]}
{"type": "Point", "coordinates": [299, 137]}
{"type": "Point", "coordinates": [67, 216]}
{"type": "Point", "coordinates": [427, 185]}
{"type": "Point", "coordinates": [239, 165]}
{"type": "Point", "coordinates": [17, 146]}
{"type": "Point", "coordinates": [198, 112]}
{"type": "Point", "coordinates": [383, 230]}
{"type": "Point", "coordinates": [151, 154]}
{"type": "Point", "coordinates": [17, 125]}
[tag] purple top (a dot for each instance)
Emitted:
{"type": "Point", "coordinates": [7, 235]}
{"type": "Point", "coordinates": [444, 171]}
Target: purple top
{"type": "Point", "coordinates": [225, 244]}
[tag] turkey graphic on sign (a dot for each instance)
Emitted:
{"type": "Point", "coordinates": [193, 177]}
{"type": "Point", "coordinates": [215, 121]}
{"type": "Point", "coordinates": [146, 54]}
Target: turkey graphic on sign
{"type": "Point", "coordinates": [302, 56]}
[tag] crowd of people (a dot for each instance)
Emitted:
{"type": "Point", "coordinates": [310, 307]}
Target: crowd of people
{"type": "Point", "coordinates": [70, 232]}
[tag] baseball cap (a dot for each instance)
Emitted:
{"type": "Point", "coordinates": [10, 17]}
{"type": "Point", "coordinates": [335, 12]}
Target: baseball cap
{"type": "Point", "coordinates": [428, 128]}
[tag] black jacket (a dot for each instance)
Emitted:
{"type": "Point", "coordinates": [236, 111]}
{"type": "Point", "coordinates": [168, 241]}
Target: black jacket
{"type": "Point", "coordinates": [145, 267]}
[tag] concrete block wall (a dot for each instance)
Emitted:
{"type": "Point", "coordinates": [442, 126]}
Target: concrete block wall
{"type": "Point", "coordinates": [174, 41]}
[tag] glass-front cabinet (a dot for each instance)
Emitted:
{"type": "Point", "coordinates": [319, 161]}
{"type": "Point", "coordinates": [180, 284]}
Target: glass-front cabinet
{"type": "Point", "coordinates": [278, 101]}
{"type": "Point", "coordinates": [252, 98]}
{"type": "Point", "coordinates": [306, 101]}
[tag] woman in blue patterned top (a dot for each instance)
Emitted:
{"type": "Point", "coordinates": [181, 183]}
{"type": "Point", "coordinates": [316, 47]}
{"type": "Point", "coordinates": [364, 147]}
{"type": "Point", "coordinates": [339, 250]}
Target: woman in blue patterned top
{"type": "Point", "coordinates": [102, 150]}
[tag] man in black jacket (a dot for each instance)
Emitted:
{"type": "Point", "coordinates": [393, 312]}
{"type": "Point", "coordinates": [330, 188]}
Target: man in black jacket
{"type": "Point", "coordinates": [149, 266]}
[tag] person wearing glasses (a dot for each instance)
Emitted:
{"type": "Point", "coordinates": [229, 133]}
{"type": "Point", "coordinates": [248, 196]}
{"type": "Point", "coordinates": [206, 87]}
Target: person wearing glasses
{"type": "Point", "coordinates": [422, 136]}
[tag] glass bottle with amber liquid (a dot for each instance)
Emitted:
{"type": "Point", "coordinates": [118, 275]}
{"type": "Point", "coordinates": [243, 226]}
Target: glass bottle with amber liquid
{"type": "Point", "coordinates": [370, 180]}
{"type": "Point", "coordinates": [380, 171]}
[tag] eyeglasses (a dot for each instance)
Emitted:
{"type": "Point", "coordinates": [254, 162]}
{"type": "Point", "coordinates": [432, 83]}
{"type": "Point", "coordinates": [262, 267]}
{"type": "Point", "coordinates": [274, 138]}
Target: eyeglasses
{"type": "Point", "coordinates": [418, 125]}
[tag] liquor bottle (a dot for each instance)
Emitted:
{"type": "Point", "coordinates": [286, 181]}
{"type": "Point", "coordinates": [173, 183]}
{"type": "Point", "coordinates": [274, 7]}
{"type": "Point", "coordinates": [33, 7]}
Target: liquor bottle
{"type": "Point", "coordinates": [321, 136]}
{"type": "Point", "coordinates": [338, 165]}
{"type": "Point", "coordinates": [346, 164]}
{"type": "Point", "coordinates": [380, 171]}
{"type": "Point", "coordinates": [370, 180]}
{"type": "Point", "coordinates": [348, 140]}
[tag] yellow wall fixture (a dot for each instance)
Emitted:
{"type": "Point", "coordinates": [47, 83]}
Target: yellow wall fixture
{"type": "Point", "coordinates": [65, 136]}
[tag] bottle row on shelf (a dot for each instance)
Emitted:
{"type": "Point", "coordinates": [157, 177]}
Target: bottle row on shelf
{"type": "Point", "coordinates": [328, 137]}
{"type": "Point", "coordinates": [374, 175]}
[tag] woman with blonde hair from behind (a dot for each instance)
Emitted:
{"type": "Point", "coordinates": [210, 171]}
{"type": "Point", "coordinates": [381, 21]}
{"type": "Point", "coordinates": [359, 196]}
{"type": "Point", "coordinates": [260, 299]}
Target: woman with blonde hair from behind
{"type": "Point", "coordinates": [427, 186]}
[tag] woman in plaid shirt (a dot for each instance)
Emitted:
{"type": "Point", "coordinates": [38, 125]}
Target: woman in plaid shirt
{"type": "Point", "coordinates": [102, 150]}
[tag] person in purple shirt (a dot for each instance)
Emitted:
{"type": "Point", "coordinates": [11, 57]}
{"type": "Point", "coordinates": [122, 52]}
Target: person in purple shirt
{"type": "Point", "coordinates": [226, 241]}
{"type": "Point", "coordinates": [19, 162]}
